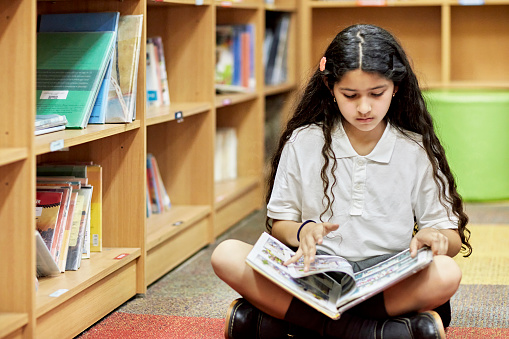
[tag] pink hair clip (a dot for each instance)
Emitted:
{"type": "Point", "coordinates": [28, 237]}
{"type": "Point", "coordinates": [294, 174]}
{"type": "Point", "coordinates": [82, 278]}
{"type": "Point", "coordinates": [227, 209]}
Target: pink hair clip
{"type": "Point", "coordinates": [322, 64]}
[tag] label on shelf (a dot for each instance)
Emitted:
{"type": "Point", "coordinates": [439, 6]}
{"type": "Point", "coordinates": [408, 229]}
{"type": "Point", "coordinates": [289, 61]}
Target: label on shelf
{"type": "Point", "coordinates": [120, 256]}
{"type": "Point", "coordinates": [58, 293]}
{"type": "Point", "coordinates": [179, 116]}
{"type": "Point", "coordinates": [371, 3]}
{"type": "Point", "coordinates": [471, 2]}
{"type": "Point", "coordinates": [56, 145]}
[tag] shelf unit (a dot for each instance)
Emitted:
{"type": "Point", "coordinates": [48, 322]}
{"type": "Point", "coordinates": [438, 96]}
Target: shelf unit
{"type": "Point", "coordinates": [184, 148]}
{"type": "Point", "coordinates": [235, 199]}
{"type": "Point", "coordinates": [450, 45]}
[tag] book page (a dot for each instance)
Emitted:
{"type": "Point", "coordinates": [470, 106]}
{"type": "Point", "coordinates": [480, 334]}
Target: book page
{"type": "Point", "coordinates": [318, 291]}
{"type": "Point", "coordinates": [385, 274]}
{"type": "Point", "coordinates": [322, 264]}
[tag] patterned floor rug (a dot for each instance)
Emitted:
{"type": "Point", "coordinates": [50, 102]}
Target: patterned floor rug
{"type": "Point", "coordinates": [190, 301]}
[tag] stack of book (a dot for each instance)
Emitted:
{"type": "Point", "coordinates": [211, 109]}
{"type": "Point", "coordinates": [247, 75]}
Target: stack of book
{"type": "Point", "coordinates": [158, 199]}
{"type": "Point", "coordinates": [68, 215]}
{"type": "Point", "coordinates": [235, 58]}
{"type": "Point", "coordinates": [157, 78]}
{"type": "Point", "coordinates": [49, 123]}
{"type": "Point", "coordinates": [86, 71]}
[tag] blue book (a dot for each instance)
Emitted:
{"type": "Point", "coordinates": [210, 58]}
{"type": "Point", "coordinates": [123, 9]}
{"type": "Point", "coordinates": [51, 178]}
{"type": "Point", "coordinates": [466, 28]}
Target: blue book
{"type": "Point", "coordinates": [86, 22]}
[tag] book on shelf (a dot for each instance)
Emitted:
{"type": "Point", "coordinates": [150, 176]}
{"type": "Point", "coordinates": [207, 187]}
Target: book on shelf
{"type": "Point", "coordinates": [163, 74]}
{"type": "Point", "coordinates": [79, 228]}
{"type": "Point", "coordinates": [87, 22]}
{"type": "Point", "coordinates": [124, 75]}
{"type": "Point", "coordinates": [234, 71]}
{"type": "Point", "coordinates": [153, 76]}
{"type": "Point", "coordinates": [47, 212]}
{"type": "Point", "coordinates": [45, 264]}
{"type": "Point", "coordinates": [70, 69]}
{"type": "Point", "coordinates": [49, 123]}
{"type": "Point", "coordinates": [93, 174]}
{"type": "Point", "coordinates": [159, 198]}
{"type": "Point", "coordinates": [276, 48]}
{"type": "Point", "coordinates": [225, 154]}
{"type": "Point", "coordinates": [66, 191]}
{"type": "Point", "coordinates": [316, 287]}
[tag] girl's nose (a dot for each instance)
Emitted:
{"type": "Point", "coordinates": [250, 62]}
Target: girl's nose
{"type": "Point", "coordinates": [363, 106]}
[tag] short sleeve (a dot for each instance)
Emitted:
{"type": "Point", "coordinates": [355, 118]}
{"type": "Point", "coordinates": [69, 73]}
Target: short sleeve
{"type": "Point", "coordinates": [285, 202]}
{"type": "Point", "coordinates": [429, 211]}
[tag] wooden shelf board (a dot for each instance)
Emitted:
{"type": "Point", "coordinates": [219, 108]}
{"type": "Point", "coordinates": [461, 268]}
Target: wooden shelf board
{"type": "Point", "coordinates": [72, 137]}
{"type": "Point", "coordinates": [282, 5]}
{"type": "Point", "coordinates": [161, 227]}
{"type": "Point", "coordinates": [223, 100]}
{"type": "Point", "coordinates": [229, 190]}
{"type": "Point", "coordinates": [157, 115]}
{"type": "Point", "coordinates": [279, 89]}
{"type": "Point", "coordinates": [390, 3]}
{"type": "Point", "coordinates": [470, 85]}
{"type": "Point", "coordinates": [10, 322]}
{"type": "Point", "coordinates": [178, 2]}
{"type": "Point", "coordinates": [99, 266]}
{"type": "Point", "coordinates": [247, 4]}
{"type": "Point", "coordinates": [8, 155]}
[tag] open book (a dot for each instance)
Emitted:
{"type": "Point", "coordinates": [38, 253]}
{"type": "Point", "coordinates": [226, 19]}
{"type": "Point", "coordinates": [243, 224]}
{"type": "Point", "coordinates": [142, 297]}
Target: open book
{"type": "Point", "coordinates": [317, 288]}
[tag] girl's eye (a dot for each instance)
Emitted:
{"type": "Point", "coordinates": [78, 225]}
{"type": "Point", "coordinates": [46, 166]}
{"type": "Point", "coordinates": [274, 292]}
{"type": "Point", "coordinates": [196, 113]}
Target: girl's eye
{"type": "Point", "coordinates": [349, 96]}
{"type": "Point", "coordinates": [377, 94]}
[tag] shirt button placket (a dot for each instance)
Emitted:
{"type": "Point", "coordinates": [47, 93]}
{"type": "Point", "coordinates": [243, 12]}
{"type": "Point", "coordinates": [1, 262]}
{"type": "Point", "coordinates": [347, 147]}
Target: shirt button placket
{"type": "Point", "coordinates": [359, 179]}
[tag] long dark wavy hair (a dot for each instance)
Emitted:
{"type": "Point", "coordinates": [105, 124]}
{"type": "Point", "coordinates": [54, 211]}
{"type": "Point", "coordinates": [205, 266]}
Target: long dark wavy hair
{"type": "Point", "coordinates": [380, 53]}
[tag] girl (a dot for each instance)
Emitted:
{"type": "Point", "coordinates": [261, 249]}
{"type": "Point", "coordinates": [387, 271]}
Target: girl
{"type": "Point", "coordinates": [358, 164]}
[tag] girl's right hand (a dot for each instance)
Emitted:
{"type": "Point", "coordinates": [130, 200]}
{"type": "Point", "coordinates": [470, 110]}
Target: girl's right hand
{"type": "Point", "coordinates": [310, 235]}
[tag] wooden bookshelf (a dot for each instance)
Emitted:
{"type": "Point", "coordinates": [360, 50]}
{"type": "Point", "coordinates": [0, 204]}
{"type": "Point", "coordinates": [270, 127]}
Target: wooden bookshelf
{"type": "Point", "coordinates": [447, 42]}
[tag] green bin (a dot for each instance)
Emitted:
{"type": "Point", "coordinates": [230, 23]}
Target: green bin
{"type": "Point", "coordinates": [473, 126]}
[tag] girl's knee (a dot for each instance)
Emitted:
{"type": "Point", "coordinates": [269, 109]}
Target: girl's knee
{"type": "Point", "coordinates": [228, 255]}
{"type": "Point", "coordinates": [449, 275]}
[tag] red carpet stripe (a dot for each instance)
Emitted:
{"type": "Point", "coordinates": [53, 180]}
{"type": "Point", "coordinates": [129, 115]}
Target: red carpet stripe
{"type": "Point", "coordinates": [128, 325]}
{"type": "Point", "coordinates": [477, 333]}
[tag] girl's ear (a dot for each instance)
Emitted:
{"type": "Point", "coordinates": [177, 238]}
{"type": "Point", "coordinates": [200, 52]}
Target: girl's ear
{"type": "Point", "coordinates": [324, 79]}
{"type": "Point", "coordinates": [395, 90]}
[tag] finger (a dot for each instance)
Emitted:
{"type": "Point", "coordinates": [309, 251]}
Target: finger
{"type": "Point", "coordinates": [330, 227]}
{"type": "Point", "coordinates": [414, 246]}
{"type": "Point", "coordinates": [295, 257]}
{"type": "Point", "coordinates": [309, 252]}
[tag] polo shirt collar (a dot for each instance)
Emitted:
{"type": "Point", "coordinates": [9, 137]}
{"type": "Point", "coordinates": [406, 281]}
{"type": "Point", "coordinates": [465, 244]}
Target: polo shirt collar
{"type": "Point", "coordinates": [381, 153]}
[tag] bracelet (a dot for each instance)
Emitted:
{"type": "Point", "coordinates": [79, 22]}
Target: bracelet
{"type": "Point", "coordinates": [300, 228]}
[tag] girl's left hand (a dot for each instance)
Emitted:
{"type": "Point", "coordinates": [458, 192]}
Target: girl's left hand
{"type": "Point", "coordinates": [431, 237]}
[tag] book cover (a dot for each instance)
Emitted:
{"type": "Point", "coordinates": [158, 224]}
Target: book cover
{"type": "Point", "coordinates": [163, 74]}
{"type": "Point", "coordinates": [93, 173]}
{"type": "Point", "coordinates": [86, 22]}
{"type": "Point", "coordinates": [85, 254]}
{"type": "Point", "coordinates": [64, 247]}
{"type": "Point", "coordinates": [70, 69]}
{"type": "Point", "coordinates": [45, 264]}
{"type": "Point", "coordinates": [46, 216]}
{"type": "Point", "coordinates": [161, 190]}
{"type": "Point", "coordinates": [66, 191]}
{"type": "Point", "coordinates": [327, 295]}
{"type": "Point", "coordinates": [124, 75]}
{"type": "Point", "coordinates": [78, 229]}
{"type": "Point", "coordinates": [153, 80]}
{"type": "Point", "coordinates": [155, 200]}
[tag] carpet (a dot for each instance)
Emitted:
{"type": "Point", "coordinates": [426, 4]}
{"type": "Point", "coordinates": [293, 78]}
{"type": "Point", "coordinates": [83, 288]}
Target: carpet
{"type": "Point", "coordinates": [190, 301]}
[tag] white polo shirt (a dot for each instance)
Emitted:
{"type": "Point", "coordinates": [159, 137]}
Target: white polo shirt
{"type": "Point", "coordinates": [376, 196]}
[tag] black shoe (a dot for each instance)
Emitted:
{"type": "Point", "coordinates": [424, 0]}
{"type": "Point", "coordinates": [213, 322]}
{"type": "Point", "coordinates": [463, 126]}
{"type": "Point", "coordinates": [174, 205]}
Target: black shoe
{"type": "Point", "coordinates": [244, 321]}
{"type": "Point", "coordinates": [420, 326]}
